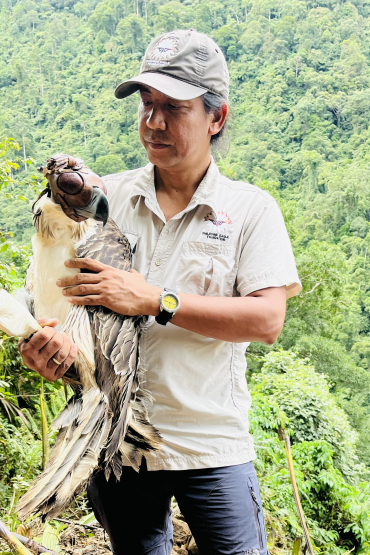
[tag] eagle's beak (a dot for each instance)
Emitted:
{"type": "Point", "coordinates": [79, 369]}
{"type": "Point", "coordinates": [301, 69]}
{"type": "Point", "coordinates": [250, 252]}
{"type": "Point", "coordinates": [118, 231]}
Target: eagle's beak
{"type": "Point", "coordinates": [97, 209]}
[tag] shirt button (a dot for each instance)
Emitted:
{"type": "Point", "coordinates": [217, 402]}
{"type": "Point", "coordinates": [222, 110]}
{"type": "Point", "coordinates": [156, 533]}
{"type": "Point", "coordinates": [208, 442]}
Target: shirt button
{"type": "Point", "coordinates": [158, 262]}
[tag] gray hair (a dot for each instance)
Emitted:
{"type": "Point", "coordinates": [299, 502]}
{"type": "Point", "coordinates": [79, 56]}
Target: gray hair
{"type": "Point", "coordinates": [212, 104]}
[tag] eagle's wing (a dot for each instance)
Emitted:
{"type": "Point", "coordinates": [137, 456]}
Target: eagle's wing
{"type": "Point", "coordinates": [116, 360]}
{"type": "Point", "coordinates": [106, 421]}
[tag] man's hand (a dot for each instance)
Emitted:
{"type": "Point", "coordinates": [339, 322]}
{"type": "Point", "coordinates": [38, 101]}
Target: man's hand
{"type": "Point", "coordinates": [45, 347]}
{"type": "Point", "coordinates": [126, 293]}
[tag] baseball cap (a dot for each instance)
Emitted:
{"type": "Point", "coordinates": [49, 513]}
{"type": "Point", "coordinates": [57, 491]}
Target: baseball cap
{"type": "Point", "coordinates": [182, 64]}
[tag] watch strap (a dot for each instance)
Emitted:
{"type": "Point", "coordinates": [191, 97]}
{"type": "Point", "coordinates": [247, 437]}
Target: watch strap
{"type": "Point", "coordinates": [163, 317]}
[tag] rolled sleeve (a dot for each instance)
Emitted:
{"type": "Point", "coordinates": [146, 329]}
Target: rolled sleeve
{"type": "Point", "coordinates": [266, 258]}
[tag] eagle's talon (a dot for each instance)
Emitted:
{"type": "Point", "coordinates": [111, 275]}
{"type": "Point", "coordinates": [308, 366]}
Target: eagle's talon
{"type": "Point", "coordinates": [59, 162]}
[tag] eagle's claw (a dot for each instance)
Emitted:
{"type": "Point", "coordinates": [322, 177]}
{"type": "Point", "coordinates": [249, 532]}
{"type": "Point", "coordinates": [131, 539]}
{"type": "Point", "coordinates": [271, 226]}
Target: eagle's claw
{"type": "Point", "coordinates": [59, 162]}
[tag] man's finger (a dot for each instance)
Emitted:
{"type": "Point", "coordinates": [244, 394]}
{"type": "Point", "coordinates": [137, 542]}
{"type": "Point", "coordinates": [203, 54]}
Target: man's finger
{"type": "Point", "coordinates": [86, 263]}
{"type": "Point", "coordinates": [90, 300]}
{"type": "Point", "coordinates": [41, 338]}
{"type": "Point", "coordinates": [67, 363]}
{"type": "Point", "coordinates": [83, 290]}
{"type": "Point", "coordinates": [46, 322]}
{"type": "Point", "coordinates": [59, 356]}
{"type": "Point", "coordinates": [52, 346]}
{"type": "Point", "coordinates": [78, 279]}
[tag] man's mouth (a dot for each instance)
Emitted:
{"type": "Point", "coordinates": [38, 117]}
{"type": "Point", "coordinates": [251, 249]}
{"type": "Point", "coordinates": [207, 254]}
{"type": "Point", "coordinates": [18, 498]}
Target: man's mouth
{"type": "Point", "coordinates": [157, 145]}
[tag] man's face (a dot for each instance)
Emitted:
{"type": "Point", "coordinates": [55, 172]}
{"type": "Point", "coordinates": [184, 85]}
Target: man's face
{"type": "Point", "coordinates": [175, 133]}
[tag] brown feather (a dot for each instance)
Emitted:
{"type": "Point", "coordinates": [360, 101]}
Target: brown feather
{"type": "Point", "coordinates": [106, 422]}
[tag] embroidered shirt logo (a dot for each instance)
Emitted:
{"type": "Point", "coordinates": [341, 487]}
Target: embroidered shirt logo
{"type": "Point", "coordinates": [221, 221]}
{"type": "Point", "coordinates": [221, 218]}
{"type": "Point", "coordinates": [165, 48]}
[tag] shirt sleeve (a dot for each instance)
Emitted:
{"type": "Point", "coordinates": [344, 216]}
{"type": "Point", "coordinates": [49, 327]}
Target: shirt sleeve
{"type": "Point", "coordinates": [266, 258]}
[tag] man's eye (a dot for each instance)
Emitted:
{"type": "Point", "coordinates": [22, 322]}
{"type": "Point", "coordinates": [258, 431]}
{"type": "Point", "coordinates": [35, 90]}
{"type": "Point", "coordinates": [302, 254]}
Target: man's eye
{"type": "Point", "coordinates": [174, 107]}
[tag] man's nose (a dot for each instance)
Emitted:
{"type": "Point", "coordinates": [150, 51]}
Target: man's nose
{"type": "Point", "coordinates": [156, 119]}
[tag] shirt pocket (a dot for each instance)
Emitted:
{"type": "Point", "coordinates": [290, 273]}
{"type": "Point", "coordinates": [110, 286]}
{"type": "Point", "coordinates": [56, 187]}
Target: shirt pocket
{"type": "Point", "coordinates": [206, 269]}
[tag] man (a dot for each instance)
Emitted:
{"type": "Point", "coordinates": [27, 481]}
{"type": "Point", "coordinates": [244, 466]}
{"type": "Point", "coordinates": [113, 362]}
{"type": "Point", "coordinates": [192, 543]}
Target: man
{"type": "Point", "coordinates": [222, 251]}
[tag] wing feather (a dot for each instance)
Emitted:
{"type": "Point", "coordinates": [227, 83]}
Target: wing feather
{"type": "Point", "coordinates": [106, 422]}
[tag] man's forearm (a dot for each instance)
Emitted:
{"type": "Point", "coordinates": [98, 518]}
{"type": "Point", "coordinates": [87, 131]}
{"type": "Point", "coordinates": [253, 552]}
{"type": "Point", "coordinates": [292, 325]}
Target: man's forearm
{"type": "Point", "coordinates": [258, 317]}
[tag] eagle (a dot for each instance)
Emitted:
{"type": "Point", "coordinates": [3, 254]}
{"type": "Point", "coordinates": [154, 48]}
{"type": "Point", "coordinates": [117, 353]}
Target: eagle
{"type": "Point", "coordinates": [105, 424]}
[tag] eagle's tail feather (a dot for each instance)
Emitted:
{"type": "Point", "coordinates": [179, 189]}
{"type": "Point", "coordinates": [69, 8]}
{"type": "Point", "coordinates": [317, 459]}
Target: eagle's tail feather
{"type": "Point", "coordinates": [73, 458]}
{"type": "Point", "coordinates": [80, 474]}
{"type": "Point", "coordinates": [73, 434]}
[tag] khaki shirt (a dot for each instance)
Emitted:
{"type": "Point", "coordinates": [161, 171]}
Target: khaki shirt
{"type": "Point", "coordinates": [231, 240]}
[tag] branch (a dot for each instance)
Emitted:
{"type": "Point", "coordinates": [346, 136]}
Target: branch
{"type": "Point", "coordinates": [313, 288]}
{"type": "Point", "coordinates": [76, 523]}
{"type": "Point", "coordinates": [34, 546]}
{"type": "Point", "coordinates": [13, 541]}
{"type": "Point", "coordinates": [283, 436]}
{"type": "Point", "coordinates": [21, 544]}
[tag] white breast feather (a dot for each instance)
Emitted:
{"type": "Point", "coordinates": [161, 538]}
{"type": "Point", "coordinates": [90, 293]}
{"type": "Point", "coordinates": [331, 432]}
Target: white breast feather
{"type": "Point", "coordinates": [52, 246]}
{"type": "Point", "coordinates": [54, 243]}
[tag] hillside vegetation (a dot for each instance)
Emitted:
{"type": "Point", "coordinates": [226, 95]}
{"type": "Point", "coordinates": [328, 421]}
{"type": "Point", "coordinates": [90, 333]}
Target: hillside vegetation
{"type": "Point", "coordinates": [300, 97]}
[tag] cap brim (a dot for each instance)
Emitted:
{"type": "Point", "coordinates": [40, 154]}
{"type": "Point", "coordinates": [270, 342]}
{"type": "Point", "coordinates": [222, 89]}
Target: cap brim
{"type": "Point", "coordinates": [174, 88]}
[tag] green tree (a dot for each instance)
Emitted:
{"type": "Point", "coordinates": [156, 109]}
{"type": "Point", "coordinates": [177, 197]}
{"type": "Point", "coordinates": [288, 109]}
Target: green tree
{"type": "Point", "coordinates": [111, 163]}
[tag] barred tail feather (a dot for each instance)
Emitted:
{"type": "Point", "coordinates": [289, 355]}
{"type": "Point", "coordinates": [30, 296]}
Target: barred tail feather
{"type": "Point", "coordinates": [71, 461]}
{"type": "Point", "coordinates": [81, 473]}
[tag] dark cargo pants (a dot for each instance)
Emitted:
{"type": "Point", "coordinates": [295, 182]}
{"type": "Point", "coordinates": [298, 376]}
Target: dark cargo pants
{"type": "Point", "coordinates": [221, 505]}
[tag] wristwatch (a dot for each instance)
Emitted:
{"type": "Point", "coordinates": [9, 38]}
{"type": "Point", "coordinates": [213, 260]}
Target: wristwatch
{"type": "Point", "coordinates": [169, 303]}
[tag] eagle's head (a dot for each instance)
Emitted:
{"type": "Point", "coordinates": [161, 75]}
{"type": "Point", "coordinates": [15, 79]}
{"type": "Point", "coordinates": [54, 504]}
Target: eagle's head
{"type": "Point", "coordinates": [79, 191]}
{"type": "Point", "coordinates": [53, 225]}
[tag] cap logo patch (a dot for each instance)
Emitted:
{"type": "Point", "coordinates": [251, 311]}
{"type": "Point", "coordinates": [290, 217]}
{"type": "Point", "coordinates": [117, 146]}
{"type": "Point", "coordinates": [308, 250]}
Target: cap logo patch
{"type": "Point", "coordinates": [163, 51]}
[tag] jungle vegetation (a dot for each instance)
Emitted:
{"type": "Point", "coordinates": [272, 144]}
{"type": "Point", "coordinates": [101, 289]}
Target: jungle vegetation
{"type": "Point", "coordinates": [300, 128]}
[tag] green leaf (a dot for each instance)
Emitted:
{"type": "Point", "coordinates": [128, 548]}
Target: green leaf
{"type": "Point", "coordinates": [88, 519]}
{"type": "Point", "coordinates": [50, 538]}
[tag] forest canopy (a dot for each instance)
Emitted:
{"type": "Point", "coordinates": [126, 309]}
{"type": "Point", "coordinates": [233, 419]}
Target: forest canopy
{"type": "Point", "coordinates": [300, 128]}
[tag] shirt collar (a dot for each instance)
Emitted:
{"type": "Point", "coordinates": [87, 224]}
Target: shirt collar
{"type": "Point", "coordinates": [143, 185]}
{"type": "Point", "coordinates": [206, 193]}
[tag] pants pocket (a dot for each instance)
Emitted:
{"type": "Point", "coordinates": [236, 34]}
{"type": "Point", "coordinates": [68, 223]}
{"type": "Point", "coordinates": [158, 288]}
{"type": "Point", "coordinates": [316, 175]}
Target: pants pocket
{"type": "Point", "coordinates": [257, 511]}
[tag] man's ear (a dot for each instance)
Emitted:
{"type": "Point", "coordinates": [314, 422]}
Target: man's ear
{"type": "Point", "coordinates": [218, 120]}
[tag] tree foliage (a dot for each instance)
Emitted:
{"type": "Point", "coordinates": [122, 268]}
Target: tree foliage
{"type": "Point", "coordinates": [300, 97]}
{"type": "Point", "coordinates": [289, 393]}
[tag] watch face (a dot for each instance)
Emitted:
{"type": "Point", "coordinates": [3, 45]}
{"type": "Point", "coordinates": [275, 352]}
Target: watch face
{"type": "Point", "coordinates": [170, 302]}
